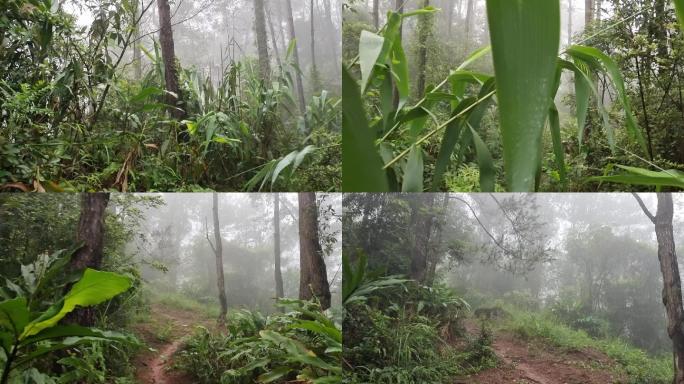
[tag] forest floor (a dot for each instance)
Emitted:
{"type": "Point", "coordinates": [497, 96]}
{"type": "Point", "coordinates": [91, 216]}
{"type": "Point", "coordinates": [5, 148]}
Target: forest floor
{"type": "Point", "coordinates": [523, 362]}
{"type": "Point", "coordinates": [164, 333]}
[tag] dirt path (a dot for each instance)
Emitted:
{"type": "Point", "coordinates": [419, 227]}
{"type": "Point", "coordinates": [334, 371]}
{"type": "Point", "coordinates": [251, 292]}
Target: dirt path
{"type": "Point", "coordinates": [536, 363]}
{"type": "Point", "coordinates": [164, 333]}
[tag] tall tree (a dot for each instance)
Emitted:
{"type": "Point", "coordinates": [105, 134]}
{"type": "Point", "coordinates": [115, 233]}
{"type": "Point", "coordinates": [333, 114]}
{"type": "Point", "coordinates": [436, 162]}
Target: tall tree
{"type": "Point", "coordinates": [169, 58]}
{"type": "Point", "coordinates": [421, 228]}
{"type": "Point", "coordinates": [434, 256]}
{"type": "Point", "coordinates": [137, 52]}
{"type": "Point", "coordinates": [276, 246]}
{"type": "Point", "coordinates": [570, 12]}
{"type": "Point", "coordinates": [218, 253]}
{"type": "Point", "coordinates": [295, 56]}
{"type": "Point", "coordinates": [262, 41]}
{"type": "Point", "coordinates": [313, 280]}
{"type": "Point", "coordinates": [274, 42]}
{"type": "Point", "coordinates": [376, 14]}
{"type": "Point", "coordinates": [470, 15]}
{"type": "Point", "coordinates": [672, 285]}
{"type": "Point", "coordinates": [424, 31]}
{"type": "Point", "coordinates": [313, 38]}
{"type": "Point", "coordinates": [588, 12]}
{"type": "Point", "coordinates": [90, 233]}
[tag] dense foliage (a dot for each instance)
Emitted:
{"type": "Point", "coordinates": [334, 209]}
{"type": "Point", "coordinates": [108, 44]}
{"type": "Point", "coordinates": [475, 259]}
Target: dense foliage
{"type": "Point", "coordinates": [302, 343]}
{"type": "Point", "coordinates": [73, 117]}
{"type": "Point", "coordinates": [447, 135]}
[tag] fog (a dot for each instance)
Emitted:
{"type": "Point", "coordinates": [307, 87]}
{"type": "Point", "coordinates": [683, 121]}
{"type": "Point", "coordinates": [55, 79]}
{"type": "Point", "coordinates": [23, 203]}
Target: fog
{"type": "Point", "coordinates": [175, 251]}
{"type": "Point", "coordinates": [589, 260]}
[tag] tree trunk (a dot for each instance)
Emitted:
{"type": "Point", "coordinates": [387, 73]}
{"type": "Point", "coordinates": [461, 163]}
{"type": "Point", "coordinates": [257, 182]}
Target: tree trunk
{"type": "Point", "coordinates": [295, 53]}
{"type": "Point", "coordinates": [470, 15]}
{"type": "Point", "coordinates": [169, 59]}
{"type": "Point", "coordinates": [672, 286]}
{"type": "Point", "coordinates": [313, 40]}
{"type": "Point", "coordinates": [137, 52]}
{"type": "Point", "coordinates": [262, 41]}
{"type": "Point", "coordinates": [570, 12]}
{"type": "Point", "coordinates": [450, 17]}
{"type": "Point", "coordinates": [376, 14]}
{"type": "Point", "coordinates": [434, 257]}
{"type": "Point", "coordinates": [588, 12]}
{"type": "Point", "coordinates": [313, 280]}
{"type": "Point", "coordinates": [276, 246]}
{"type": "Point", "coordinates": [332, 33]}
{"type": "Point", "coordinates": [90, 233]}
{"type": "Point", "coordinates": [274, 42]}
{"type": "Point", "coordinates": [421, 227]}
{"type": "Point", "coordinates": [218, 251]}
{"type": "Point", "coordinates": [423, 36]}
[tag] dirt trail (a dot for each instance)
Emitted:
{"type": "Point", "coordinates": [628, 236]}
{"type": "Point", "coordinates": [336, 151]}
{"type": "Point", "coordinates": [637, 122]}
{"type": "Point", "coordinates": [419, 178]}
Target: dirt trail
{"type": "Point", "coordinates": [164, 333]}
{"type": "Point", "coordinates": [536, 363]}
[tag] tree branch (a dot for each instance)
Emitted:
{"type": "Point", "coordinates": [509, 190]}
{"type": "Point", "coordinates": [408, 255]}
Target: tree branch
{"type": "Point", "coordinates": [644, 208]}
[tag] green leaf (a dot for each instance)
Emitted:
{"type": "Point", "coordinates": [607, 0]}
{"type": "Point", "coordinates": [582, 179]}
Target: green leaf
{"type": "Point", "coordinates": [554, 126]}
{"type": "Point", "coordinates": [282, 164]}
{"type": "Point", "coordinates": [640, 176]}
{"type": "Point", "coordinates": [94, 288]}
{"type": "Point", "coordinates": [361, 162]}
{"type": "Point", "coordinates": [525, 36]}
{"type": "Point", "coordinates": [61, 331]}
{"type": "Point", "coordinates": [370, 47]}
{"type": "Point", "coordinates": [485, 163]}
{"type": "Point", "coordinates": [274, 374]}
{"type": "Point", "coordinates": [14, 314]}
{"type": "Point", "coordinates": [679, 7]}
{"type": "Point", "coordinates": [592, 55]}
{"type": "Point", "coordinates": [413, 172]}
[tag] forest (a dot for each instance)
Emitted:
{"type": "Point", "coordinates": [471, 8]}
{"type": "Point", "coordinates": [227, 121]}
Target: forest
{"type": "Point", "coordinates": [170, 288]}
{"type": "Point", "coordinates": [504, 96]}
{"type": "Point", "coordinates": [159, 95]}
{"type": "Point", "coordinates": [512, 288]}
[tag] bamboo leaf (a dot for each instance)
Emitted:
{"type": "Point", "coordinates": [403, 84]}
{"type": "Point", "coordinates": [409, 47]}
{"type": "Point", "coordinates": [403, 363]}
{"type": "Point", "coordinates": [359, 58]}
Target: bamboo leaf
{"type": "Point", "coordinates": [525, 36]}
{"type": "Point", "coordinates": [640, 176]}
{"type": "Point", "coordinates": [370, 47]}
{"type": "Point", "coordinates": [485, 163]}
{"type": "Point", "coordinates": [554, 125]}
{"type": "Point", "coordinates": [413, 172]}
{"type": "Point", "coordinates": [679, 7]}
{"type": "Point", "coordinates": [360, 160]}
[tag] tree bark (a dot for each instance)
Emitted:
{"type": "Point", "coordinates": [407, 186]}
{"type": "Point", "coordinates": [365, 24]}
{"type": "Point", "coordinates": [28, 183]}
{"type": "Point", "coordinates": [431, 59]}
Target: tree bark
{"type": "Point", "coordinates": [376, 14]}
{"type": "Point", "coordinates": [672, 286]}
{"type": "Point", "coordinates": [313, 281]}
{"type": "Point", "coordinates": [295, 54]}
{"type": "Point", "coordinates": [470, 15]}
{"type": "Point", "coordinates": [218, 252]}
{"type": "Point", "coordinates": [262, 41]}
{"type": "Point", "coordinates": [274, 42]}
{"type": "Point", "coordinates": [276, 246]}
{"type": "Point", "coordinates": [169, 59]}
{"type": "Point", "coordinates": [434, 257]}
{"type": "Point", "coordinates": [570, 12]}
{"type": "Point", "coordinates": [424, 34]}
{"type": "Point", "coordinates": [588, 12]}
{"type": "Point", "coordinates": [90, 233]}
{"type": "Point", "coordinates": [313, 39]}
{"type": "Point", "coordinates": [421, 227]}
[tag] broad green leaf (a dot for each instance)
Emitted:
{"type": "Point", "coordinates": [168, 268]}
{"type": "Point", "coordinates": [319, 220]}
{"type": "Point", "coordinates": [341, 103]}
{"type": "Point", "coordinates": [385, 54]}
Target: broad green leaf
{"type": "Point", "coordinates": [302, 155]}
{"type": "Point", "coordinates": [14, 315]}
{"type": "Point", "coordinates": [525, 36]}
{"type": "Point", "coordinates": [485, 163]}
{"type": "Point", "coordinates": [282, 164]}
{"type": "Point", "coordinates": [61, 331]}
{"type": "Point", "coordinates": [94, 288]}
{"type": "Point", "coordinates": [370, 47]}
{"type": "Point", "coordinates": [361, 162]}
{"type": "Point", "coordinates": [400, 71]}
{"type": "Point", "coordinates": [640, 176]}
{"type": "Point", "coordinates": [331, 332]}
{"type": "Point", "coordinates": [679, 7]}
{"type": "Point", "coordinates": [274, 374]}
{"type": "Point", "coordinates": [554, 126]}
{"type": "Point", "coordinates": [590, 54]}
{"type": "Point", "coordinates": [413, 172]}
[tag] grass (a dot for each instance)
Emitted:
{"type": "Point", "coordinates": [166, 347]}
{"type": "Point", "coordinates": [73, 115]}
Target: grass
{"type": "Point", "coordinates": [177, 300]}
{"type": "Point", "coordinates": [632, 362]}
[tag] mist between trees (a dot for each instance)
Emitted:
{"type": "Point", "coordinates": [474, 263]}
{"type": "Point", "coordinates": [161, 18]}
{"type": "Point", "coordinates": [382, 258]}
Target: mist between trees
{"type": "Point", "coordinates": [212, 282]}
{"type": "Point", "coordinates": [494, 288]}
